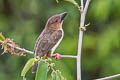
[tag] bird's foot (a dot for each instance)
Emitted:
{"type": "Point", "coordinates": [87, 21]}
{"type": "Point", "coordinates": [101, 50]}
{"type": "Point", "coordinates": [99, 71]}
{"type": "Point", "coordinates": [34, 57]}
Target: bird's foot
{"type": "Point", "coordinates": [57, 56]}
{"type": "Point", "coordinates": [46, 57]}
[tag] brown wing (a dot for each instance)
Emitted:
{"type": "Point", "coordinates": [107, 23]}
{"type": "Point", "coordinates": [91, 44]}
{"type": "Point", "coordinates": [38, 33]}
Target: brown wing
{"type": "Point", "coordinates": [47, 41]}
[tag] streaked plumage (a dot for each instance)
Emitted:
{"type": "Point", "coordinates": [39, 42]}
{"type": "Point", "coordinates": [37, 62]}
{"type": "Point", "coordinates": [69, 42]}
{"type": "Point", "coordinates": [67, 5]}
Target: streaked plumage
{"type": "Point", "coordinates": [50, 37]}
{"type": "Point", "coordinates": [46, 41]}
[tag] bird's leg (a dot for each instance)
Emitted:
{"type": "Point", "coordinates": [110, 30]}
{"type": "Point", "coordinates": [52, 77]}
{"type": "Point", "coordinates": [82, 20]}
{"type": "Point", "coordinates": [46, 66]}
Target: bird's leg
{"type": "Point", "coordinates": [57, 56]}
{"type": "Point", "coordinates": [46, 57]}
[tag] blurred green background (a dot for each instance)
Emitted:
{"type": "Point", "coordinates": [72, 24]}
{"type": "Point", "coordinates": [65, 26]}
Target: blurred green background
{"type": "Point", "coordinates": [23, 20]}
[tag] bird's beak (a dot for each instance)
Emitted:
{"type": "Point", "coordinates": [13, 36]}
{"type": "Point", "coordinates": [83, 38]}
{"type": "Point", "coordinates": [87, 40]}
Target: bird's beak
{"type": "Point", "coordinates": [63, 16]}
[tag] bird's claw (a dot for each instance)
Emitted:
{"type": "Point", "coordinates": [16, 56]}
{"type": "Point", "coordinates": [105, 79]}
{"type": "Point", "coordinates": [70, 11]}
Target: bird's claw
{"type": "Point", "coordinates": [57, 56]}
{"type": "Point", "coordinates": [46, 57]}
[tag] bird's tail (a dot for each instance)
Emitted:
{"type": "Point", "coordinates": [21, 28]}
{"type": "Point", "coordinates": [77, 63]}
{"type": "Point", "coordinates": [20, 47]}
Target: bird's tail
{"type": "Point", "coordinates": [34, 68]}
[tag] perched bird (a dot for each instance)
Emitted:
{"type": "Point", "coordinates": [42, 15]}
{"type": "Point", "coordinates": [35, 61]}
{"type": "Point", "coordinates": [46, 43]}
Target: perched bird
{"type": "Point", "coordinates": [50, 37]}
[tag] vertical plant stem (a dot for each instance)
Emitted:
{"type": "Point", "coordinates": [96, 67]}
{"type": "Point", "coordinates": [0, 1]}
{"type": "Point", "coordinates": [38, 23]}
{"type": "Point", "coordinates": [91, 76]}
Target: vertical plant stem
{"type": "Point", "coordinates": [82, 4]}
{"type": "Point", "coordinates": [82, 22]}
{"type": "Point", "coordinates": [79, 56]}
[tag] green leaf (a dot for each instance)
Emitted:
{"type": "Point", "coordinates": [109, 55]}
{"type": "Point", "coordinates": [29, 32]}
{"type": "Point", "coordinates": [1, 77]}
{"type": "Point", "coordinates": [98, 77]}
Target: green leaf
{"type": "Point", "coordinates": [24, 78]}
{"type": "Point", "coordinates": [56, 75]}
{"type": "Point", "coordinates": [27, 66]}
{"type": "Point", "coordinates": [42, 71]}
{"type": "Point", "coordinates": [57, 1]}
{"type": "Point", "coordinates": [2, 37]}
{"type": "Point", "coordinates": [53, 74]}
{"type": "Point", "coordinates": [5, 49]}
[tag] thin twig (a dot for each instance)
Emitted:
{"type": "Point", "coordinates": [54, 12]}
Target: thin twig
{"type": "Point", "coordinates": [18, 48]}
{"type": "Point", "coordinates": [109, 77]}
{"type": "Point", "coordinates": [82, 4]}
{"type": "Point", "coordinates": [82, 22]}
{"type": "Point", "coordinates": [86, 7]}
{"type": "Point", "coordinates": [30, 52]}
{"type": "Point", "coordinates": [68, 56]}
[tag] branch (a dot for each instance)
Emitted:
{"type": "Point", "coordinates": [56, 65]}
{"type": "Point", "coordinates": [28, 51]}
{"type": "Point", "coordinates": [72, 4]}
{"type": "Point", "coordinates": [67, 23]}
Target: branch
{"type": "Point", "coordinates": [30, 52]}
{"type": "Point", "coordinates": [86, 7]}
{"type": "Point", "coordinates": [68, 56]}
{"type": "Point", "coordinates": [109, 77]}
{"type": "Point", "coordinates": [18, 48]}
{"type": "Point", "coordinates": [82, 22]}
{"type": "Point", "coordinates": [82, 5]}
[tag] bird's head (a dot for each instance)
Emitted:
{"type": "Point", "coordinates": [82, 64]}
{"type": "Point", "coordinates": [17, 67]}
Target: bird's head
{"type": "Point", "coordinates": [55, 22]}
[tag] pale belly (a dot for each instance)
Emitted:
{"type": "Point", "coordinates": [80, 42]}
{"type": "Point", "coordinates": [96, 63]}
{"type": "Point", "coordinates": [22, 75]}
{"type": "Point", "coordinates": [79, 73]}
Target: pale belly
{"type": "Point", "coordinates": [54, 48]}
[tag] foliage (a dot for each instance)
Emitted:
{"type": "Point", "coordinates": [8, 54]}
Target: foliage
{"type": "Point", "coordinates": [44, 66]}
{"type": "Point", "coordinates": [2, 38]}
{"type": "Point", "coordinates": [42, 71]}
{"type": "Point", "coordinates": [23, 20]}
{"type": "Point", "coordinates": [7, 48]}
{"type": "Point", "coordinates": [27, 67]}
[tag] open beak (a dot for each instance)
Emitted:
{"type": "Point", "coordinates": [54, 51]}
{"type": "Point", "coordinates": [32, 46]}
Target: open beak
{"type": "Point", "coordinates": [63, 16]}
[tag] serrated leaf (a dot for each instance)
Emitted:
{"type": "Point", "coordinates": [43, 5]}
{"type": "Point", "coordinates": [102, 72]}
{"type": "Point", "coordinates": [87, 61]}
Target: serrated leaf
{"type": "Point", "coordinates": [42, 71]}
{"type": "Point", "coordinates": [2, 38]}
{"type": "Point", "coordinates": [27, 66]}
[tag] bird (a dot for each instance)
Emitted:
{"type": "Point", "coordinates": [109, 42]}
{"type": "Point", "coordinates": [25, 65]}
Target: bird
{"type": "Point", "coordinates": [50, 38]}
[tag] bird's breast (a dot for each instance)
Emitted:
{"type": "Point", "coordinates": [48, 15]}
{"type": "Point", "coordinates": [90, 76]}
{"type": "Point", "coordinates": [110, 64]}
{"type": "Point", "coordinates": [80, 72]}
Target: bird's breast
{"type": "Point", "coordinates": [57, 44]}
